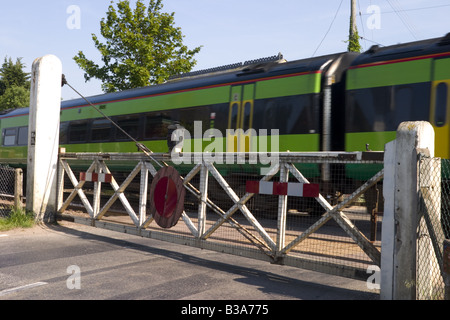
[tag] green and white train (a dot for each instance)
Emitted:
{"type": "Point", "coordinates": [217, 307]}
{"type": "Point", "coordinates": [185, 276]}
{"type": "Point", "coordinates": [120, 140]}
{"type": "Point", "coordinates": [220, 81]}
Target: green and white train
{"type": "Point", "coordinates": [339, 102]}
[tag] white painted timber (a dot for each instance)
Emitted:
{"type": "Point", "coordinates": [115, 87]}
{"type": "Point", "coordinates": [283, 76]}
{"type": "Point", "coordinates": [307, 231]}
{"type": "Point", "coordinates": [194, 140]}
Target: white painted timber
{"type": "Point", "coordinates": [400, 219]}
{"type": "Point", "coordinates": [43, 137]}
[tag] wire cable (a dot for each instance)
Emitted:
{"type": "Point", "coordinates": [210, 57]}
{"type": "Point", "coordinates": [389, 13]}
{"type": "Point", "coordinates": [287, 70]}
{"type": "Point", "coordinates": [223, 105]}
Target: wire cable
{"type": "Point", "coordinates": [413, 9]}
{"type": "Point", "coordinates": [362, 23]}
{"type": "Point", "coordinates": [329, 28]}
{"type": "Point", "coordinates": [404, 20]}
{"type": "Point", "coordinates": [140, 146]}
{"type": "Point", "coordinates": [377, 43]}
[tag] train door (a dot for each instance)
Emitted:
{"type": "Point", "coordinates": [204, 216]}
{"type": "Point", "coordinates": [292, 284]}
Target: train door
{"type": "Point", "coordinates": [240, 119]}
{"type": "Point", "coordinates": [439, 107]}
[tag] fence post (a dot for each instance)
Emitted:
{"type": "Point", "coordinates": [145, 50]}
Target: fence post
{"type": "Point", "coordinates": [18, 188]}
{"type": "Point", "coordinates": [203, 197]}
{"type": "Point", "coordinates": [43, 137]}
{"type": "Point", "coordinates": [401, 216]}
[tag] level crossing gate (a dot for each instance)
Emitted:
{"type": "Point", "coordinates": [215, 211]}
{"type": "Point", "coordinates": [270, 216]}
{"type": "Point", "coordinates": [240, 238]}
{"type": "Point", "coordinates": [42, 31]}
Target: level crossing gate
{"type": "Point", "coordinates": [226, 209]}
{"type": "Point", "coordinates": [223, 212]}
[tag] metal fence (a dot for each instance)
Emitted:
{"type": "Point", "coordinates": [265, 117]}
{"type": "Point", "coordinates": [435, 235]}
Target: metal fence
{"type": "Point", "coordinates": [433, 228]}
{"type": "Point", "coordinates": [7, 185]}
{"type": "Point", "coordinates": [336, 232]}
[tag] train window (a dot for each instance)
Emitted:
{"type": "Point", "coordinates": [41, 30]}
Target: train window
{"type": "Point", "coordinates": [440, 111]}
{"type": "Point", "coordinates": [301, 117]}
{"type": "Point", "coordinates": [63, 129]}
{"type": "Point", "coordinates": [22, 138]}
{"type": "Point", "coordinates": [130, 124]}
{"type": "Point", "coordinates": [220, 121]}
{"type": "Point", "coordinates": [367, 109]}
{"type": "Point", "coordinates": [248, 106]}
{"type": "Point", "coordinates": [156, 125]}
{"type": "Point", "coordinates": [384, 108]}
{"type": "Point", "coordinates": [9, 137]}
{"type": "Point", "coordinates": [101, 130]}
{"type": "Point", "coordinates": [188, 116]}
{"type": "Point", "coordinates": [290, 115]}
{"type": "Point", "coordinates": [403, 106]}
{"type": "Point", "coordinates": [234, 116]}
{"type": "Point", "coordinates": [78, 131]}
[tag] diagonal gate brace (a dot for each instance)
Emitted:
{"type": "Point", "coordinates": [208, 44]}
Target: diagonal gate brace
{"type": "Point", "coordinates": [336, 214]}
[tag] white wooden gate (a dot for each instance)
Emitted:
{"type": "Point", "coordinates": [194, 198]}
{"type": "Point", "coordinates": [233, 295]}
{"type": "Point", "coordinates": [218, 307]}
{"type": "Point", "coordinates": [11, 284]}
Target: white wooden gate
{"type": "Point", "coordinates": [249, 224]}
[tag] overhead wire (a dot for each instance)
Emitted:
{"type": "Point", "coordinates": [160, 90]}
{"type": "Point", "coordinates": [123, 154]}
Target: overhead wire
{"type": "Point", "coordinates": [140, 146]}
{"type": "Point", "coordinates": [329, 28]}
{"type": "Point", "coordinates": [403, 17]}
{"type": "Point", "coordinates": [407, 18]}
{"type": "Point", "coordinates": [362, 23]}
{"type": "Point", "coordinates": [377, 43]}
{"type": "Point", "coordinates": [414, 9]}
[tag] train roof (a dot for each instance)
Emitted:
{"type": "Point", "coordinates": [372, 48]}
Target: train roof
{"type": "Point", "coordinates": [13, 112]}
{"type": "Point", "coordinates": [405, 50]}
{"type": "Point", "coordinates": [226, 74]}
{"type": "Point", "coordinates": [249, 70]}
{"type": "Point", "coordinates": [261, 68]}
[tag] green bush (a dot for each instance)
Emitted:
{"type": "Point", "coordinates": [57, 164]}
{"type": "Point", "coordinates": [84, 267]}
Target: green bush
{"type": "Point", "coordinates": [17, 219]}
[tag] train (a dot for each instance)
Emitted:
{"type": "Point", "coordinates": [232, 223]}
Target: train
{"type": "Point", "coordinates": [345, 101]}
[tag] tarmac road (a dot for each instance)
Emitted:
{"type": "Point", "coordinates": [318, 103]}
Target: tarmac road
{"type": "Point", "coordinates": [69, 261]}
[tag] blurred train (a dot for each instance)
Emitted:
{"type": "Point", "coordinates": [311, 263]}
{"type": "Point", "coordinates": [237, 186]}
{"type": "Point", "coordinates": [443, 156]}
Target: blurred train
{"type": "Point", "coordinates": [339, 102]}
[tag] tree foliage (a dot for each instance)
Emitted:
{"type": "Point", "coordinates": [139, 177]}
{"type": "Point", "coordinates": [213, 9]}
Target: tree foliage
{"type": "Point", "coordinates": [353, 39]}
{"type": "Point", "coordinates": [142, 47]}
{"type": "Point", "coordinates": [14, 85]}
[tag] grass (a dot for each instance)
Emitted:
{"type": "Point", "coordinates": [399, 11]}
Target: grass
{"type": "Point", "coordinates": [18, 218]}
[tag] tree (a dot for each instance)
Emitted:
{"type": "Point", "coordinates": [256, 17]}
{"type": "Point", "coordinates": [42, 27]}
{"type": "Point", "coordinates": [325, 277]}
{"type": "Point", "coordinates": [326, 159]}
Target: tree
{"type": "Point", "coordinates": [14, 85]}
{"type": "Point", "coordinates": [15, 97]}
{"type": "Point", "coordinates": [143, 47]}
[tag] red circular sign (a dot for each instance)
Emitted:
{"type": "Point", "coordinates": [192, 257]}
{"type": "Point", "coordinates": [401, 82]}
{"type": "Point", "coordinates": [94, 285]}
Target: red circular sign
{"type": "Point", "coordinates": [167, 197]}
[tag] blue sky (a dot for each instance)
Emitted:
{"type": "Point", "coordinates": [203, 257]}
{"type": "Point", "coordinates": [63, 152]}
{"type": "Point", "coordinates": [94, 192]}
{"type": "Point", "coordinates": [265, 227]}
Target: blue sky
{"type": "Point", "coordinates": [229, 30]}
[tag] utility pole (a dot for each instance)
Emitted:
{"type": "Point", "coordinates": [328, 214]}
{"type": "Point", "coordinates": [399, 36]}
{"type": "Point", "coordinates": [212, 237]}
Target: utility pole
{"type": "Point", "coordinates": [353, 39]}
{"type": "Point", "coordinates": [353, 18]}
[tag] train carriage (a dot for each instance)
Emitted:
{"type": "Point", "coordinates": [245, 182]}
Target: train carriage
{"type": "Point", "coordinates": [261, 96]}
{"type": "Point", "coordinates": [344, 101]}
{"type": "Point", "coordinates": [388, 85]}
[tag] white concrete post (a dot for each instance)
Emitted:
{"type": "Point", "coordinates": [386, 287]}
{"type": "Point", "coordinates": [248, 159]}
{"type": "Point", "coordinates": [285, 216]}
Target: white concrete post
{"type": "Point", "coordinates": [43, 137]}
{"type": "Point", "coordinates": [401, 216]}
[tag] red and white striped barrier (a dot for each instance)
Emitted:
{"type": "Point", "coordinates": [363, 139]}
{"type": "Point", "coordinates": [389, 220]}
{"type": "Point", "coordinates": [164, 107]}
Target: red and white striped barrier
{"type": "Point", "coordinates": [294, 189]}
{"type": "Point", "coordinates": [95, 177]}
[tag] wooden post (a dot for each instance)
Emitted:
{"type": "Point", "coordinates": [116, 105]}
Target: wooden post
{"type": "Point", "coordinates": [18, 189]}
{"type": "Point", "coordinates": [203, 197]}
